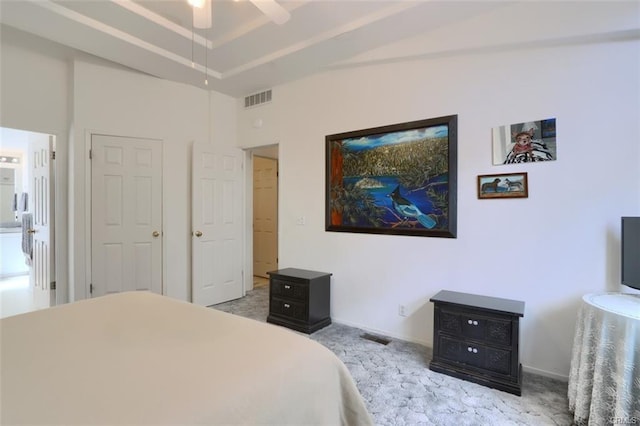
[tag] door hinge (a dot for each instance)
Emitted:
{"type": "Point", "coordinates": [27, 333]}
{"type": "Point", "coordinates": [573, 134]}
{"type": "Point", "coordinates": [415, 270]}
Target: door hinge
{"type": "Point", "coordinates": [53, 155]}
{"type": "Point", "coordinates": [53, 285]}
{"type": "Point", "coordinates": [90, 154]}
{"type": "Point", "coordinates": [90, 288]}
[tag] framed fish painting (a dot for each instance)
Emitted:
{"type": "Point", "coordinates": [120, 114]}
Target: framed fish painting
{"type": "Point", "coordinates": [398, 179]}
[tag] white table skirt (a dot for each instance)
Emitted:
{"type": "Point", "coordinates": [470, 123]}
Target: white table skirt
{"type": "Point", "coordinates": [604, 381]}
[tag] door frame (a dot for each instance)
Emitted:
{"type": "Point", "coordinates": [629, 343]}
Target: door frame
{"type": "Point", "coordinates": [60, 249]}
{"type": "Point", "coordinates": [248, 252]}
{"type": "Point", "coordinates": [88, 240]}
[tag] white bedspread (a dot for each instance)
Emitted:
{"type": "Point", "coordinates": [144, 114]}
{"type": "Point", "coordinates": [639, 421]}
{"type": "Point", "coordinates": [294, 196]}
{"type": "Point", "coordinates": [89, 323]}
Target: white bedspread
{"type": "Point", "coordinates": [139, 358]}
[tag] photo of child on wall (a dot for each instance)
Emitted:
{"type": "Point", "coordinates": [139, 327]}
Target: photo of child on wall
{"type": "Point", "coordinates": [527, 142]}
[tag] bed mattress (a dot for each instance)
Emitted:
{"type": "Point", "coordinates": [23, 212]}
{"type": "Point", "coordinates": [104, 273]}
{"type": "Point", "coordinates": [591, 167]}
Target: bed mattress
{"type": "Point", "coordinates": [141, 358]}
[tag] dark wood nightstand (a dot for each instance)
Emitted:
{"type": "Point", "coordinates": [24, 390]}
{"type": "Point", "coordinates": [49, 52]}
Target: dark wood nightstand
{"type": "Point", "coordinates": [299, 299]}
{"type": "Point", "coordinates": [476, 338]}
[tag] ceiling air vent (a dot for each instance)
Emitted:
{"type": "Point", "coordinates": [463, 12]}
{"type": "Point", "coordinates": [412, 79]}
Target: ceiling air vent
{"type": "Point", "coordinates": [257, 99]}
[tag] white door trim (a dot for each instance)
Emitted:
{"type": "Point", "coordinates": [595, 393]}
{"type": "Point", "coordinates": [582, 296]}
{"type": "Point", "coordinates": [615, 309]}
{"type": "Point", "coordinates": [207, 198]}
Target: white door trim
{"type": "Point", "coordinates": [87, 210]}
{"type": "Point", "coordinates": [248, 220]}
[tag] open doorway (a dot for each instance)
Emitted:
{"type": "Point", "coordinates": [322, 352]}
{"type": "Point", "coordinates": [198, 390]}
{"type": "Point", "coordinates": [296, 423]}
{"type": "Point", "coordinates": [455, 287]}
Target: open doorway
{"type": "Point", "coordinates": [27, 269]}
{"type": "Point", "coordinates": [265, 213]}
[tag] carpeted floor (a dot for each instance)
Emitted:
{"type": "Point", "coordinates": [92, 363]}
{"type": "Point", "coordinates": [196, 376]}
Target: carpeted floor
{"type": "Point", "coordinates": [399, 388]}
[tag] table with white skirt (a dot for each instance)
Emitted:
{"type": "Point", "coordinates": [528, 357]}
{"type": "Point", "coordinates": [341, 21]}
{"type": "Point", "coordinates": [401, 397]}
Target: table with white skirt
{"type": "Point", "coordinates": [604, 381]}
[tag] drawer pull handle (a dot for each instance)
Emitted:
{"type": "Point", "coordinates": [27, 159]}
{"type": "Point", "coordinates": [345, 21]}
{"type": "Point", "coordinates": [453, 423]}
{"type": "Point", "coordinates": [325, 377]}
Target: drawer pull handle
{"type": "Point", "coordinates": [286, 305]}
{"type": "Point", "coordinates": [472, 322]}
{"type": "Point", "coordinates": [470, 349]}
{"type": "Point", "coordinates": [475, 323]}
{"type": "Point", "coordinates": [469, 322]}
{"type": "Point", "coordinates": [475, 351]}
{"type": "Point", "coordinates": [287, 286]}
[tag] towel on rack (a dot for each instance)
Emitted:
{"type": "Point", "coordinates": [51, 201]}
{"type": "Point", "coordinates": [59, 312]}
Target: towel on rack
{"type": "Point", "coordinates": [27, 237]}
{"type": "Point", "coordinates": [24, 202]}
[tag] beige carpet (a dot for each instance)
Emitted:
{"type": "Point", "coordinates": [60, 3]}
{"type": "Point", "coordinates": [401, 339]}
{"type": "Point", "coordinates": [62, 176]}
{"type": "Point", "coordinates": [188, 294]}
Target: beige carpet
{"type": "Point", "coordinates": [399, 388]}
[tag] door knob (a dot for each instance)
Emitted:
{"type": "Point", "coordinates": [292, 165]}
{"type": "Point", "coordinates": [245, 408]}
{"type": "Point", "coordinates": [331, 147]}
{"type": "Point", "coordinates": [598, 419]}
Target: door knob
{"type": "Point", "coordinates": [198, 234]}
{"type": "Point", "coordinates": [156, 234]}
{"type": "Point", "coordinates": [31, 231]}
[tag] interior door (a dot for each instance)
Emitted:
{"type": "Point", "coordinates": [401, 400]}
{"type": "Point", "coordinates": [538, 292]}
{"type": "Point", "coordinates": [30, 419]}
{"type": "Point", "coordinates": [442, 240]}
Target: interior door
{"type": "Point", "coordinates": [265, 215]}
{"type": "Point", "coordinates": [42, 208]}
{"type": "Point", "coordinates": [217, 224]}
{"type": "Point", "coordinates": [126, 214]}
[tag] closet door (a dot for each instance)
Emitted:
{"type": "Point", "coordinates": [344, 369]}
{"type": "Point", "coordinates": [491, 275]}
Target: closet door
{"type": "Point", "coordinates": [126, 214]}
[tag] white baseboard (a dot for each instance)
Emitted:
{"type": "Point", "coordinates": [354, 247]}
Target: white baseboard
{"type": "Point", "coordinates": [380, 332]}
{"type": "Point", "coordinates": [545, 373]}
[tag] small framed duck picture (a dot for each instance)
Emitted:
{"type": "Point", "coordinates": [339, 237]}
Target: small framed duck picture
{"type": "Point", "coordinates": [505, 185]}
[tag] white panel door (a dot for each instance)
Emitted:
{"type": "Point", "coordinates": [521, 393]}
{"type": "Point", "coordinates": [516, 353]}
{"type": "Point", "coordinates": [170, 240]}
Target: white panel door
{"type": "Point", "coordinates": [217, 224]}
{"type": "Point", "coordinates": [126, 214]}
{"type": "Point", "coordinates": [42, 208]}
{"type": "Point", "coordinates": [265, 216]}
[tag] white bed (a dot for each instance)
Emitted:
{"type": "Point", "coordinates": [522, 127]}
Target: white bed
{"type": "Point", "coordinates": [141, 358]}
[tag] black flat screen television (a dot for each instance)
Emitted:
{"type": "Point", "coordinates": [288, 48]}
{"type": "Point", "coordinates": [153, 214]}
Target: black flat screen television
{"type": "Point", "coordinates": [631, 252]}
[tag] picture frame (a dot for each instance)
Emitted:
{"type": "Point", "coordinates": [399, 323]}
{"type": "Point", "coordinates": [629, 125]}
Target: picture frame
{"type": "Point", "coordinates": [529, 142]}
{"type": "Point", "coordinates": [503, 185]}
{"type": "Point", "coordinates": [399, 179]}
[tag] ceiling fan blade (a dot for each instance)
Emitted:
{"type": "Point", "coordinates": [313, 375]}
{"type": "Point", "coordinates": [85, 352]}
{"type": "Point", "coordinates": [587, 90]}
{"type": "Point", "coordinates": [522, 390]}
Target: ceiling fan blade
{"type": "Point", "coordinates": [202, 14]}
{"type": "Point", "coordinates": [273, 10]}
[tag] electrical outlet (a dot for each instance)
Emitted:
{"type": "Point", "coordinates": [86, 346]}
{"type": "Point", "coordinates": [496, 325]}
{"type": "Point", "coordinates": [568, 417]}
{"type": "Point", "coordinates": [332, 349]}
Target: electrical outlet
{"type": "Point", "coordinates": [402, 310]}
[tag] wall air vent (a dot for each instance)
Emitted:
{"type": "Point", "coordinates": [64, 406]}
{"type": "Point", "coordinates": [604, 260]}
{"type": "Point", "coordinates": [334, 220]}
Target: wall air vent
{"type": "Point", "coordinates": [257, 99]}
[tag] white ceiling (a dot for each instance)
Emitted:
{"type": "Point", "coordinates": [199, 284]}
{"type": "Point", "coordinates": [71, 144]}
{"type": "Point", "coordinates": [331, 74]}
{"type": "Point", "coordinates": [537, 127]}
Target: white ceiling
{"type": "Point", "coordinates": [245, 51]}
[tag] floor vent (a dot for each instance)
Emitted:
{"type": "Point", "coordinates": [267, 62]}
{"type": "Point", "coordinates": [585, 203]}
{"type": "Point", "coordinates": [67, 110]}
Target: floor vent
{"type": "Point", "coordinates": [377, 339]}
{"type": "Point", "coordinates": [257, 99]}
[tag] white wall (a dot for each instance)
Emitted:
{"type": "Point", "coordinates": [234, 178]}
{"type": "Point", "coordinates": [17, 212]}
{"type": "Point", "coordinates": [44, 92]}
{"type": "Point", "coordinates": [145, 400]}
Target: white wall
{"type": "Point", "coordinates": [120, 102]}
{"type": "Point", "coordinates": [50, 89]}
{"type": "Point", "coordinates": [571, 248]}
{"type": "Point", "coordinates": [34, 83]}
{"type": "Point", "coordinates": [547, 250]}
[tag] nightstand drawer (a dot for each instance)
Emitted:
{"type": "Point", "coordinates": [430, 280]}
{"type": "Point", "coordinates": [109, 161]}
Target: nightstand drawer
{"type": "Point", "coordinates": [289, 289]}
{"type": "Point", "coordinates": [481, 356]}
{"type": "Point", "coordinates": [478, 327]}
{"type": "Point", "coordinates": [289, 308]}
